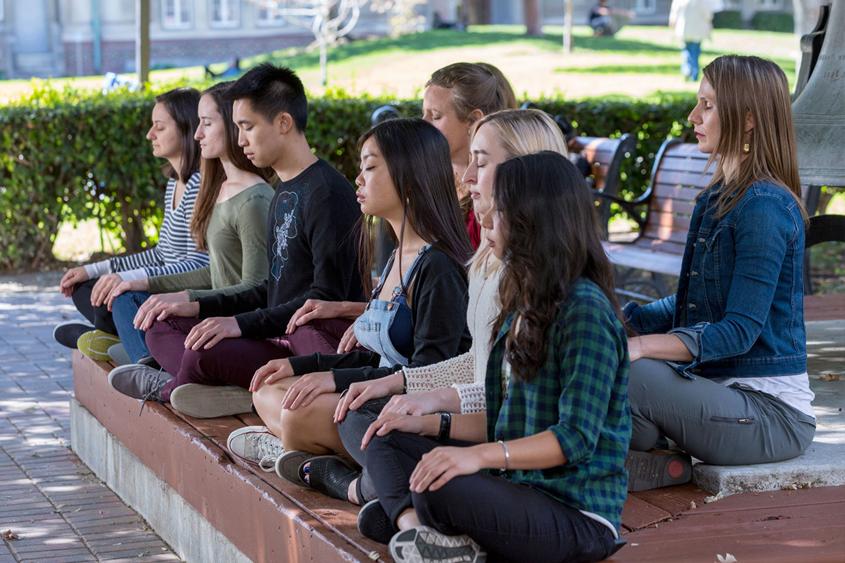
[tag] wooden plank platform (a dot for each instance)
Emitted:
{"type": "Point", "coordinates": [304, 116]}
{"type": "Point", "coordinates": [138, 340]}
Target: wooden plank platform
{"type": "Point", "coordinates": [799, 526]}
{"type": "Point", "coordinates": [269, 519]}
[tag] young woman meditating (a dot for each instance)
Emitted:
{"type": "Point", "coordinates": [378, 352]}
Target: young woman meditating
{"type": "Point", "coordinates": [720, 367]}
{"type": "Point", "coordinates": [229, 222]}
{"type": "Point", "coordinates": [538, 476]}
{"type": "Point", "coordinates": [174, 120]}
{"type": "Point", "coordinates": [416, 316]}
{"type": "Point", "coordinates": [457, 384]}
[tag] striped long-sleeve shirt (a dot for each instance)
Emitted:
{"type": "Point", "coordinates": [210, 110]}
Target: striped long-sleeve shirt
{"type": "Point", "coordinates": [176, 251]}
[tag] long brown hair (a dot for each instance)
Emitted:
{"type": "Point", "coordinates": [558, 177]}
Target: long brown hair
{"type": "Point", "coordinates": [552, 239]}
{"type": "Point", "coordinates": [181, 104]}
{"type": "Point", "coordinates": [213, 175]}
{"type": "Point", "coordinates": [418, 161]}
{"type": "Point", "coordinates": [757, 88]}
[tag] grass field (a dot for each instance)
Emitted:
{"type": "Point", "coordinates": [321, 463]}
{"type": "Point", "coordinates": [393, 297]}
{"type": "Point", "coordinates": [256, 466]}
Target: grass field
{"type": "Point", "coordinates": [639, 61]}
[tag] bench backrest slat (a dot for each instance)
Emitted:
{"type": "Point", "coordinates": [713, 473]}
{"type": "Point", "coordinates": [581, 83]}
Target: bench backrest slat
{"type": "Point", "coordinates": [680, 175]}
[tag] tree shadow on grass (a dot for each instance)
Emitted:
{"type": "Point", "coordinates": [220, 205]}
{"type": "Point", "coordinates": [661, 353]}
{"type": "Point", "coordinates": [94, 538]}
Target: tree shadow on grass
{"type": "Point", "coordinates": [442, 39]}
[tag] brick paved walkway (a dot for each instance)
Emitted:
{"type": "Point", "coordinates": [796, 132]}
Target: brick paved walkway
{"type": "Point", "coordinates": [52, 508]}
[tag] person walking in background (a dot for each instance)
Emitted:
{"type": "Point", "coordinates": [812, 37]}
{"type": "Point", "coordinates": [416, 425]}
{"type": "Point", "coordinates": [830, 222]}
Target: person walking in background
{"type": "Point", "coordinates": [693, 22]}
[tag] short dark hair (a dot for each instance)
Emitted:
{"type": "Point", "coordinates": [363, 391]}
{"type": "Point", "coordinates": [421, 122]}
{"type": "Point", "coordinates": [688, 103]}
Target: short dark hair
{"type": "Point", "coordinates": [272, 90]}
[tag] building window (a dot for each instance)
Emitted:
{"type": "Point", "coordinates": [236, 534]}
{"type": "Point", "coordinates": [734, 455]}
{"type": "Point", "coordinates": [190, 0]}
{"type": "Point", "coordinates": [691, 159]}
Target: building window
{"type": "Point", "coordinates": [270, 17]}
{"type": "Point", "coordinates": [225, 13]}
{"type": "Point", "coordinates": [176, 14]}
{"type": "Point", "coordinates": [770, 4]}
{"type": "Point", "coordinates": [646, 6]}
{"type": "Point", "coordinates": [2, 11]}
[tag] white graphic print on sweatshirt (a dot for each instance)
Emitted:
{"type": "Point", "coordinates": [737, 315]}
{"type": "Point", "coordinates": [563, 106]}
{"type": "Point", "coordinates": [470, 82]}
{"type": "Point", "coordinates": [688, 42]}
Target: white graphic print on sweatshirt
{"type": "Point", "coordinates": [284, 228]}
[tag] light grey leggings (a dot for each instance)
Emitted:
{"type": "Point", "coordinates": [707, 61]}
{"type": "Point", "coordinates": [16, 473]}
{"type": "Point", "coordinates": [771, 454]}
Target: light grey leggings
{"type": "Point", "coordinates": [718, 424]}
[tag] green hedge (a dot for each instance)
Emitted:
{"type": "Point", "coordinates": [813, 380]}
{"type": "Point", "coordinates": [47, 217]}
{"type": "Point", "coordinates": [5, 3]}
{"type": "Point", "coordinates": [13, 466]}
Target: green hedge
{"type": "Point", "coordinates": [728, 19]}
{"type": "Point", "coordinates": [773, 21]}
{"type": "Point", "coordinates": [66, 156]}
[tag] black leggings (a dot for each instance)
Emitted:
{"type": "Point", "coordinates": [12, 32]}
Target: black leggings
{"type": "Point", "coordinates": [512, 522]}
{"type": "Point", "coordinates": [100, 316]}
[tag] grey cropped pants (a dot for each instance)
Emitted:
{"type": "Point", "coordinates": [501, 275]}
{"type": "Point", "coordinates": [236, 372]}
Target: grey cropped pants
{"type": "Point", "coordinates": [718, 424]}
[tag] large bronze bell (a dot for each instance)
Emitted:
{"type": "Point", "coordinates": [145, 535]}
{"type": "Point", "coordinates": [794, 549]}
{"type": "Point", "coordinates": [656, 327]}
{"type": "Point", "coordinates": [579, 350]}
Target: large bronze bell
{"type": "Point", "coordinates": [819, 108]}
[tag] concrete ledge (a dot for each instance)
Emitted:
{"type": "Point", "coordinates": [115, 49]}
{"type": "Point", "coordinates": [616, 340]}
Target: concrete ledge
{"type": "Point", "coordinates": [822, 465]}
{"type": "Point", "coordinates": [190, 535]}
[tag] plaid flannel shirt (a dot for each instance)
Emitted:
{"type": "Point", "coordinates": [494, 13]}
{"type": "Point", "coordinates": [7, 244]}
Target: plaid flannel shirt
{"type": "Point", "coordinates": [580, 395]}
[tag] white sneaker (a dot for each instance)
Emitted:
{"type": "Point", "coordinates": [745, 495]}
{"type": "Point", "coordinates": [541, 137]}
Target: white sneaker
{"type": "Point", "coordinates": [256, 444]}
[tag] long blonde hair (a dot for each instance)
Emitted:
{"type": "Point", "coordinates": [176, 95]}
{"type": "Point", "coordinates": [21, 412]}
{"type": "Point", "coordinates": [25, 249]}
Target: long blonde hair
{"type": "Point", "coordinates": [519, 132]}
{"type": "Point", "coordinates": [747, 86]}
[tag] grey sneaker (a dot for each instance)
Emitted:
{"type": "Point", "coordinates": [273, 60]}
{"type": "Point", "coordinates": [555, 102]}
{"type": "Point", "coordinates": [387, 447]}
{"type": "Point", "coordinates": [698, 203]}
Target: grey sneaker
{"type": "Point", "coordinates": [118, 355]}
{"type": "Point", "coordinates": [139, 381]}
{"type": "Point", "coordinates": [426, 545]}
{"type": "Point", "coordinates": [256, 444]}
{"type": "Point", "coordinates": [210, 401]}
{"type": "Point", "coordinates": [69, 332]}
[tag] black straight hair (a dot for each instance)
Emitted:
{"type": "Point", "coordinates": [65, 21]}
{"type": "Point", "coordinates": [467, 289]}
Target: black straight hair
{"type": "Point", "coordinates": [551, 239]}
{"type": "Point", "coordinates": [272, 90]}
{"type": "Point", "coordinates": [181, 104]}
{"type": "Point", "coordinates": [419, 163]}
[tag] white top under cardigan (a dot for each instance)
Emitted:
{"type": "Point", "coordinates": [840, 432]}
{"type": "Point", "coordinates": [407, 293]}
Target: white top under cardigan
{"type": "Point", "coordinates": [466, 373]}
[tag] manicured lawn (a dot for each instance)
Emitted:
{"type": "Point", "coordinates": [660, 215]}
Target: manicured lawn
{"type": "Point", "coordinates": [640, 61]}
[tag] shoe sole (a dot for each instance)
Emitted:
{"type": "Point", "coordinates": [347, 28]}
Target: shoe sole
{"type": "Point", "coordinates": [649, 470]}
{"type": "Point", "coordinates": [410, 546]}
{"type": "Point", "coordinates": [210, 401]}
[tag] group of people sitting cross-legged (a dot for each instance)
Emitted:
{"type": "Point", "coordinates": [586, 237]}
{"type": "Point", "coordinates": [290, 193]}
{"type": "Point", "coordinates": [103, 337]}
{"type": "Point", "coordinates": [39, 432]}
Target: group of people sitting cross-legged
{"type": "Point", "coordinates": [485, 396]}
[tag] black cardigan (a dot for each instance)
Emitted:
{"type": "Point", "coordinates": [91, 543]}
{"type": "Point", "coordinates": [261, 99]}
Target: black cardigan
{"type": "Point", "coordinates": [439, 312]}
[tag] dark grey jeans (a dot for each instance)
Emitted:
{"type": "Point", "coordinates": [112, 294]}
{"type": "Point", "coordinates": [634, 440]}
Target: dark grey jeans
{"type": "Point", "coordinates": [352, 431]}
{"type": "Point", "coordinates": [718, 424]}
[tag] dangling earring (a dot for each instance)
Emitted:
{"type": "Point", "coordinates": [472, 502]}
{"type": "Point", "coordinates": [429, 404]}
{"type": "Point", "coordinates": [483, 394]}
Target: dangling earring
{"type": "Point", "coordinates": [746, 147]}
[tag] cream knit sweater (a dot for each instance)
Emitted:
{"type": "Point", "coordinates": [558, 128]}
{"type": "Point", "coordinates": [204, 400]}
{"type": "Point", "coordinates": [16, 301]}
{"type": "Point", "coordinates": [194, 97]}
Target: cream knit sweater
{"type": "Point", "coordinates": [466, 373]}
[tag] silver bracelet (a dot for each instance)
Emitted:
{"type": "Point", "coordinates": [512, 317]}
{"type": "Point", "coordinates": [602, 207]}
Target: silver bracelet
{"type": "Point", "coordinates": [507, 455]}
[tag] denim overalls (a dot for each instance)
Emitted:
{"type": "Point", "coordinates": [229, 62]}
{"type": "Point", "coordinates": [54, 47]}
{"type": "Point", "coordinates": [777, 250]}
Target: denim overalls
{"type": "Point", "coordinates": [387, 327]}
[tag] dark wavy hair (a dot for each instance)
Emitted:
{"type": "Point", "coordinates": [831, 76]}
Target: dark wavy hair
{"type": "Point", "coordinates": [213, 174]}
{"type": "Point", "coordinates": [551, 239]}
{"type": "Point", "coordinates": [181, 104]}
{"type": "Point", "coordinates": [420, 166]}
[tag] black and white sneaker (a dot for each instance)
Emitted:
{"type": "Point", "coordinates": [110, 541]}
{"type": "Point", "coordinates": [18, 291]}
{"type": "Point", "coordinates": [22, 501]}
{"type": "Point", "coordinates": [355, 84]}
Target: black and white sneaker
{"type": "Point", "coordinates": [69, 332]}
{"type": "Point", "coordinates": [426, 545]}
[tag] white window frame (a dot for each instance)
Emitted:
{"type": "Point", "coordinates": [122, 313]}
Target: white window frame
{"type": "Point", "coordinates": [231, 9]}
{"type": "Point", "coordinates": [277, 21]}
{"type": "Point", "coordinates": [178, 7]}
{"type": "Point", "coordinates": [646, 6]}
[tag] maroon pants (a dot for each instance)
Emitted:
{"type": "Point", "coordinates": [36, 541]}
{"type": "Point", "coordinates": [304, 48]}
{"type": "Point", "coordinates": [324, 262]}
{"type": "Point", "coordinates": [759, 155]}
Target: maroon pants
{"type": "Point", "coordinates": [233, 361]}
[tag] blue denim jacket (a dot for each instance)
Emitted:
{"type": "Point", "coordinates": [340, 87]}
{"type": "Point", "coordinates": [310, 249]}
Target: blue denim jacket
{"type": "Point", "coordinates": [741, 290]}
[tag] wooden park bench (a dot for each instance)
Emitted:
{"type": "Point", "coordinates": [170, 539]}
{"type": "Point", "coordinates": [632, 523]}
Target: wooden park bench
{"type": "Point", "coordinates": [663, 215]}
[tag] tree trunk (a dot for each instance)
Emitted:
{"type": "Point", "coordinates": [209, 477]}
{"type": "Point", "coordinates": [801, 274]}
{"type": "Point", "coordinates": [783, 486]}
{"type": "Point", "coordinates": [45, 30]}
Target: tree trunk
{"type": "Point", "coordinates": [476, 12]}
{"type": "Point", "coordinates": [531, 10]}
{"type": "Point", "coordinates": [567, 26]}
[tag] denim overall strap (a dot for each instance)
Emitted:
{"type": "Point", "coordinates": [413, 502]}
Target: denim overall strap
{"type": "Point", "coordinates": [384, 321]}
